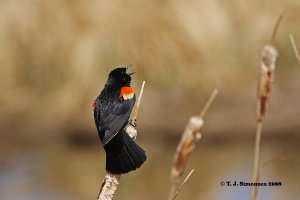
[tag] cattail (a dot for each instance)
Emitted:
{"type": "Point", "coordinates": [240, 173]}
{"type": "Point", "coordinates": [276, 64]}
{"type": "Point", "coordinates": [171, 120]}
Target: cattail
{"type": "Point", "coordinates": [266, 77]}
{"type": "Point", "coordinates": [109, 186]}
{"type": "Point", "coordinates": [186, 146]}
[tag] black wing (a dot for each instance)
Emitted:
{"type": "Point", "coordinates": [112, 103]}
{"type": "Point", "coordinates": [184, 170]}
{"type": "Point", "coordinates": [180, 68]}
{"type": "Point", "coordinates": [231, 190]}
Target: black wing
{"type": "Point", "coordinates": [112, 117]}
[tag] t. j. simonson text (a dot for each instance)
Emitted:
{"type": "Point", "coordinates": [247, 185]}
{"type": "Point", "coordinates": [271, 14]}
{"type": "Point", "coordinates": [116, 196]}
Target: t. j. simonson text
{"type": "Point", "coordinates": [243, 183]}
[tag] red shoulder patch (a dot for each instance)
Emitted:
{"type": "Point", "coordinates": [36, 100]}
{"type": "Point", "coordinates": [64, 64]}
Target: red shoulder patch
{"type": "Point", "coordinates": [125, 91]}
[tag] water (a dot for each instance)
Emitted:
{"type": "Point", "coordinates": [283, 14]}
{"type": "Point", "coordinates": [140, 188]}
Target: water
{"type": "Point", "coordinates": [70, 172]}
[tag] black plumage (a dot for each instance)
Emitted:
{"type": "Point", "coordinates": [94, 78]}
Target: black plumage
{"type": "Point", "coordinates": [111, 113]}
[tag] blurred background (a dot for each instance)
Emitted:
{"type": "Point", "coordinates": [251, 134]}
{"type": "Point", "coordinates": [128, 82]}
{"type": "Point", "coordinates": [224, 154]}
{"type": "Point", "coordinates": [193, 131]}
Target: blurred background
{"type": "Point", "coordinates": [55, 59]}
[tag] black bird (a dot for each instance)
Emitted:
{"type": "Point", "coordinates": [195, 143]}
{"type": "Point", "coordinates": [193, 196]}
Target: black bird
{"type": "Point", "coordinates": [112, 109]}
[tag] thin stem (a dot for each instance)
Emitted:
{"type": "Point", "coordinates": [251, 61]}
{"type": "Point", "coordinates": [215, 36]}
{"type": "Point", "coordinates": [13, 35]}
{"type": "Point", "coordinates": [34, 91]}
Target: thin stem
{"type": "Point", "coordinates": [208, 103]}
{"type": "Point", "coordinates": [182, 184]}
{"type": "Point", "coordinates": [136, 109]}
{"type": "Point", "coordinates": [295, 48]}
{"type": "Point", "coordinates": [255, 177]}
{"type": "Point", "coordinates": [275, 29]}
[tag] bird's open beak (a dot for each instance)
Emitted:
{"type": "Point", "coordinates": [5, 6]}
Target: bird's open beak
{"type": "Point", "coordinates": [127, 68]}
{"type": "Point", "coordinates": [131, 73]}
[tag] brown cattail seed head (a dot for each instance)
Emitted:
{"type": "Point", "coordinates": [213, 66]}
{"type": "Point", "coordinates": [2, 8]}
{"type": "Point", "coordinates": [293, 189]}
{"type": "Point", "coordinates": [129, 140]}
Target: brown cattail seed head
{"type": "Point", "coordinates": [267, 67]}
{"type": "Point", "coordinates": [269, 56]}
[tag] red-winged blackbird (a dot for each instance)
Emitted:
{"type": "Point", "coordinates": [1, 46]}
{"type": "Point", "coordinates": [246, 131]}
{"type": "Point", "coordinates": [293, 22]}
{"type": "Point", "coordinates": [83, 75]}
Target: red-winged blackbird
{"type": "Point", "coordinates": [112, 109]}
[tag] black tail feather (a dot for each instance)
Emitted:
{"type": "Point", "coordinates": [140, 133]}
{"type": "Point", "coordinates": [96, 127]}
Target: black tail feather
{"type": "Point", "coordinates": [123, 154]}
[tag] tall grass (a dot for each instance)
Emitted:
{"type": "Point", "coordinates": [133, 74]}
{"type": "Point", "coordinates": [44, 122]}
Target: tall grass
{"type": "Point", "coordinates": [55, 54]}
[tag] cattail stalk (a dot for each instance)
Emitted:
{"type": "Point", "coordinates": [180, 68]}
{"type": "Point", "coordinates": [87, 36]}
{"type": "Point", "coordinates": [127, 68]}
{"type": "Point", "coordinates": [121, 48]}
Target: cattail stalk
{"type": "Point", "coordinates": [182, 184]}
{"type": "Point", "coordinates": [136, 108]}
{"type": "Point", "coordinates": [267, 71]}
{"type": "Point", "coordinates": [187, 144]}
{"type": "Point", "coordinates": [109, 186]}
{"type": "Point", "coordinates": [266, 77]}
{"type": "Point", "coordinates": [111, 181]}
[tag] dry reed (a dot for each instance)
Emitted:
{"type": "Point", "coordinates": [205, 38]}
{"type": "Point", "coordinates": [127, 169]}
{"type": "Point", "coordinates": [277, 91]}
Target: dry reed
{"type": "Point", "coordinates": [186, 145]}
{"type": "Point", "coordinates": [266, 77]}
{"type": "Point", "coordinates": [111, 181]}
{"type": "Point", "coordinates": [267, 67]}
{"type": "Point", "coordinates": [295, 48]}
{"type": "Point", "coordinates": [182, 184]}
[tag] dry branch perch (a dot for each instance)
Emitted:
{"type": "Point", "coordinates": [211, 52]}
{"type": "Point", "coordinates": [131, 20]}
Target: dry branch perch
{"type": "Point", "coordinates": [111, 181]}
{"type": "Point", "coordinates": [267, 71]}
{"type": "Point", "coordinates": [130, 129]}
{"type": "Point", "coordinates": [295, 48]}
{"type": "Point", "coordinates": [109, 186]}
{"type": "Point", "coordinates": [187, 144]}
